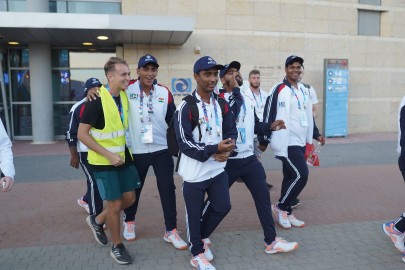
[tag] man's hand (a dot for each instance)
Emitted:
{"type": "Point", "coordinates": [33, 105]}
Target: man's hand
{"type": "Point", "coordinates": [7, 183]}
{"type": "Point", "coordinates": [115, 159]}
{"type": "Point", "coordinates": [226, 145]}
{"type": "Point", "coordinates": [93, 94]}
{"type": "Point", "coordinates": [74, 161]}
{"type": "Point", "coordinates": [262, 147]}
{"type": "Point", "coordinates": [321, 139]}
{"type": "Point", "coordinates": [222, 157]}
{"type": "Point", "coordinates": [277, 125]}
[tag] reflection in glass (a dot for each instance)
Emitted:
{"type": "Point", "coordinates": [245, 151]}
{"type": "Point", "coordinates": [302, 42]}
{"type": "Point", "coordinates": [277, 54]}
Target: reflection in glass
{"type": "Point", "coordinates": [69, 85]}
{"type": "Point", "coordinates": [61, 118]}
{"type": "Point", "coordinates": [19, 57]}
{"type": "Point", "coordinates": [3, 5]}
{"type": "Point", "coordinates": [60, 58]}
{"type": "Point", "coordinates": [22, 120]}
{"type": "Point", "coordinates": [85, 7]}
{"type": "Point", "coordinates": [20, 85]}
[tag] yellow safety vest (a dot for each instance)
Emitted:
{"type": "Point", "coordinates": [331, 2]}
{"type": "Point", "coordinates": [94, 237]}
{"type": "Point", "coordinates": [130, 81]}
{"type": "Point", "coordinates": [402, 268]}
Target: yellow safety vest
{"type": "Point", "coordinates": [112, 136]}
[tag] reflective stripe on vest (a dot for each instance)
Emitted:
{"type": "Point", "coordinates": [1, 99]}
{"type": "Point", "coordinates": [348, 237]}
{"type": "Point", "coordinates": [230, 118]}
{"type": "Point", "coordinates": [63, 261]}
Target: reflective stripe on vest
{"type": "Point", "coordinates": [105, 136]}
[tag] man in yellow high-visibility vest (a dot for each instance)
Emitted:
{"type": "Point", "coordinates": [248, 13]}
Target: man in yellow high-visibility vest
{"type": "Point", "coordinates": [104, 130]}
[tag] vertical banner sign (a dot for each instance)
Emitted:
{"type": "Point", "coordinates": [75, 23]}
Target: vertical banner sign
{"type": "Point", "coordinates": [336, 85]}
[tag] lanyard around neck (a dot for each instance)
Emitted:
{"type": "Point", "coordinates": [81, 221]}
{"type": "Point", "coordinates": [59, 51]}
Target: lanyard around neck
{"type": "Point", "coordinates": [150, 105]}
{"type": "Point", "coordinates": [298, 100]}
{"type": "Point", "coordinates": [260, 95]}
{"type": "Point", "coordinates": [117, 101]}
{"type": "Point", "coordinates": [244, 109]}
{"type": "Point", "coordinates": [207, 122]}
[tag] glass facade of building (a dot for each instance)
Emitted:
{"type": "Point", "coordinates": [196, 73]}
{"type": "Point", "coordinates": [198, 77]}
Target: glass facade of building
{"type": "Point", "coordinates": [89, 7]}
{"type": "Point", "coordinates": [70, 69]}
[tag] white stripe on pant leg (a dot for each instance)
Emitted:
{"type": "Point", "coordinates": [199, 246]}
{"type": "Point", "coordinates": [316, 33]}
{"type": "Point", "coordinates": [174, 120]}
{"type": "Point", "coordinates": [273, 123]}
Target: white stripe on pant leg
{"type": "Point", "coordinates": [205, 209]}
{"type": "Point", "coordinates": [187, 227]}
{"type": "Point", "coordinates": [91, 189]}
{"type": "Point", "coordinates": [295, 181]}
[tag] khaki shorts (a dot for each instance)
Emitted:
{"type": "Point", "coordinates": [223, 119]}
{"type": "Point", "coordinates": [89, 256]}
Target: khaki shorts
{"type": "Point", "coordinates": [112, 184]}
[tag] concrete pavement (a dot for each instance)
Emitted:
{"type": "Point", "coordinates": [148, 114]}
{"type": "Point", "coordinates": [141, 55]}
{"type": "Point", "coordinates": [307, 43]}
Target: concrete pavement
{"type": "Point", "coordinates": [357, 187]}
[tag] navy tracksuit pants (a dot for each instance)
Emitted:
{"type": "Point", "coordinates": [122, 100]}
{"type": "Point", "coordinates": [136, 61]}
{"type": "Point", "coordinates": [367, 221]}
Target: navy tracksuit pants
{"type": "Point", "coordinates": [163, 167]}
{"type": "Point", "coordinates": [295, 172]}
{"type": "Point", "coordinates": [251, 171]}
{"type": "Point", "coordinates": [197, 229]}
{"type": "Point", "coordinates": [92, 196]}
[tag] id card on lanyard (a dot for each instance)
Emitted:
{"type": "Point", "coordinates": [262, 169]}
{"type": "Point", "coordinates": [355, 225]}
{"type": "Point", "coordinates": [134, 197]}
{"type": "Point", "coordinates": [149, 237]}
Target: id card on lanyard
{"type": "Point", "coordinates": [207, 122]}
{"type": "Point", "coordinates": [147, 128]}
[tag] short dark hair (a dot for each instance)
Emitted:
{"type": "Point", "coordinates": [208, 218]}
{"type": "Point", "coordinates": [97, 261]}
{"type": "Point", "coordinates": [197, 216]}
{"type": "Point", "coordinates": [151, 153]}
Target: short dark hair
{"type": "Point", "coordinates": [254, 71]}
{"type": "Point", "coordinates": [110, 65]}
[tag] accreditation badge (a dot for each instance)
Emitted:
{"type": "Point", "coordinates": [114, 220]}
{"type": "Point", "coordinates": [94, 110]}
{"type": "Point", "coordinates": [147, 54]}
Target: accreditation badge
{"type": "Point", "coordinates": [147, 134]}
{"type": "Point", "coordinates": [303, 118]}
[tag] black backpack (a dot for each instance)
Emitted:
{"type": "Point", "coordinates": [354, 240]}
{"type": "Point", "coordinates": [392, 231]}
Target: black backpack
{"type": "Point", "coordinates": [172, 145]}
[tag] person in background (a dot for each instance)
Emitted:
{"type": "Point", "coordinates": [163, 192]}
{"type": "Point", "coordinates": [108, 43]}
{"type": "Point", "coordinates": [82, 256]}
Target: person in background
{"type": "Point", "coordinates": [6, 161]}
{"type": "Point", "coordinates": [396, 229]}
{"type": "Point", "coordinates": [91, 201]}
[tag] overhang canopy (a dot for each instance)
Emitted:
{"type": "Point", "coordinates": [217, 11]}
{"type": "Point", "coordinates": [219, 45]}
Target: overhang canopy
{"type": "Point", "coordinates": [68, 29]}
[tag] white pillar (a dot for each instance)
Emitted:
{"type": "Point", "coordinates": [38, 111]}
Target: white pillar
{"type": "Point", "coordinates": [41, 93]}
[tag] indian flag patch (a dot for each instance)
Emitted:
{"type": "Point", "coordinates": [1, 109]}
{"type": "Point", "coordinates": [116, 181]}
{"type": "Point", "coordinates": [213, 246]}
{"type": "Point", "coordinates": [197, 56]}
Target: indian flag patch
{"type": "Point", "coordinates": [161, 99]}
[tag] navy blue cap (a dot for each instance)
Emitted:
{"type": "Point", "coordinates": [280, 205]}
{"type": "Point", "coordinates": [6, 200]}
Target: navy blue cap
{"type": "Point", "coordinates": [233, 64]}
{"type": "Point", "coordinates": [292, 59]}
{"type": "Point", "coordinates": [147, 59]}
{"type": "Point", "coordinates": [205, 63]}
{"type": "Point", "coordinates": [92, 82]}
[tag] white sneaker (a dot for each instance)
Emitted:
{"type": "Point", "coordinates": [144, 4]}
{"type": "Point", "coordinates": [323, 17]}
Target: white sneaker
{"type": "Point", "coordinates": [201, 263]}
{"type": "Point", "coordinates": [207, 251]}
{"type": "Point", "coordinates": [295, 222]}
{"type": "Point", "coordinates": [281, 216]}
{"type": "Point", "coordinates": [397, 238]}
{"type": "Point", "coordinates": [129, 231]}
{"type": "Point", "coordinates": [83, 204]}
{"type": "Point", "coordinates": [174, 238]}
{"type": "Point", "coordinates": [280, 245]}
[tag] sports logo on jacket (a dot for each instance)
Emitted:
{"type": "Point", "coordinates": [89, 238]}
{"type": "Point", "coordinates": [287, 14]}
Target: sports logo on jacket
{"type": "Point", "coordinates": [281, 104]}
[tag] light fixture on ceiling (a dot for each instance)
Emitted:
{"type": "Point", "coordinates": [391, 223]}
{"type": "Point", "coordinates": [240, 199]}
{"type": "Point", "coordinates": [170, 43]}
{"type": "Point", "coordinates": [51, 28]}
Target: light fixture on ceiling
{"type": "Point", "coordinates": [87, 43]}
{"type": "Point", "coordinates": [102, 37]}
{"type": "Point", "coordinates": [13, 43]}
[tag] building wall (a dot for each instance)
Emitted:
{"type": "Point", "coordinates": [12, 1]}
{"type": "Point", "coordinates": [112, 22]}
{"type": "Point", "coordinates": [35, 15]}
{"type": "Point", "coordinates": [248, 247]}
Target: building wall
{"type": "Point", "coordinates": [262, 33]}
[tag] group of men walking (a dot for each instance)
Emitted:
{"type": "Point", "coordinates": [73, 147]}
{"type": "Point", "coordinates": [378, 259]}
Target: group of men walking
{"type": "Point", "coordinates": [124, 126]}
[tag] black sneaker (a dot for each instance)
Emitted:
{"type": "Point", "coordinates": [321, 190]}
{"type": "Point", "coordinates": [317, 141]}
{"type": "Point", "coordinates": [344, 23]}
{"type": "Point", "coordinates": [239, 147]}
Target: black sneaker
{"type": "Point", "coordinates": [295, 203]}
{"type": "Point", "coordinates": [120, 254]}
{"type": "Point", "coordinates": [97, 230]}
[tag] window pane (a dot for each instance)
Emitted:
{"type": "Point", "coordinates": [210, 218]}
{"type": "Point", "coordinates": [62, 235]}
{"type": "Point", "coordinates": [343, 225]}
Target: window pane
{"type": "Point", "coordinates": [20, 85]}
{"type": "Point", "coordinates": [88, 60]}
{"type": "Point", "coordinates": [22, 120]}
{"type": "Point", "coordinates": [94, 7]}
{"type": "Point", "coordinates": [61, 118]}
{"type": "Point", "coordinates": [369, 23]}
{"type": "Point", "coordinates": [19, 57]}
{"type": "Point", "coordinates": [3, 5]}
{"type": "Point", "coordinates": [17, 5]}
{"type": "Point", "coordinates": [69, 85]}
{"type": "Point", "coordinates": [60, 58]}
{"type": "Point", "coordinates": [370, 2]}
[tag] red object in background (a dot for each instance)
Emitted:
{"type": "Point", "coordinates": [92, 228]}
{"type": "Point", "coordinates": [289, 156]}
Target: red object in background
{"type": "Point", "coordinates": [312, 153]}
